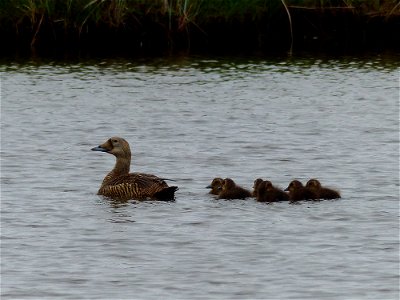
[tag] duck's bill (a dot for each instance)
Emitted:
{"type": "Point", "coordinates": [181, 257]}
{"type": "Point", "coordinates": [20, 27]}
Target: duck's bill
{"type": "Point", "coordinates": [99, 148]}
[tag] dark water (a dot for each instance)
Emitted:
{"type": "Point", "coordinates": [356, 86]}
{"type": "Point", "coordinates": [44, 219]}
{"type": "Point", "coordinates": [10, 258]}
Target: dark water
{"type": "Point", "coordinates": [191, 120]}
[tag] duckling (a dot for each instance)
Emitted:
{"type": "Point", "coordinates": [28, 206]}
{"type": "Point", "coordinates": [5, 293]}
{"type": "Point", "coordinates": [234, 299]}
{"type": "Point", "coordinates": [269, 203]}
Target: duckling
{"type": "Point", "coordinates": [232, 191]}
{"type": "Point", "coordinates": [255, 186]}
{"type": "Point", "coordinates": [298, 192]}
{"type": "Point", "coordinates": [216, 186]}
{"type": "Point", "coordinates": [269, 193]}
{"type": "Point", "coordinates": [122, 185]}
{"type": "Point", "coordinates": [322, 192]}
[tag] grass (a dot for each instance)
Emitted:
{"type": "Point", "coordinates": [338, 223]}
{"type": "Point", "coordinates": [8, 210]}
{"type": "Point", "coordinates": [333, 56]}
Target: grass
{"type": "Point", "coordinates": [30, 18]}
{"type": "Point", "coordinates": [79, 15]}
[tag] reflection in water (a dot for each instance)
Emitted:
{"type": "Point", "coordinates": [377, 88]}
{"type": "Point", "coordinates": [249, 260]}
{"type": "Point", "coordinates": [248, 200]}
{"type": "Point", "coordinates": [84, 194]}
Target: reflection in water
{"type": "Point", "coordinates": [193, 119]}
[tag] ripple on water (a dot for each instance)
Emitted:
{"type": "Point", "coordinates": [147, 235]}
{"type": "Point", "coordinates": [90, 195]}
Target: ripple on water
{"type": "Point", "coordinates": [336, 120]}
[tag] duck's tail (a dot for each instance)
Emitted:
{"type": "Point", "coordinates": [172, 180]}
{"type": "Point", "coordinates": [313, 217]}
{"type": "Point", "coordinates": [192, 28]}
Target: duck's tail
{"type": "Point", "coordinates": [167, 194]}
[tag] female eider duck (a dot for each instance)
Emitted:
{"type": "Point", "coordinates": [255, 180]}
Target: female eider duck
{"type": "Point", "coordinates": [320, 191]}
{"type": "Point", "coordinates": [232, 191]}
{"type": "Point", "coordinates": [216, 186]}
{"type": "Point", "coordinates": [120, 184]}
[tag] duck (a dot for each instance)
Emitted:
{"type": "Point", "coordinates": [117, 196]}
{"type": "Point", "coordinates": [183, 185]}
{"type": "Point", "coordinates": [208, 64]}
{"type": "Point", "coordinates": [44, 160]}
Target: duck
{"type": "Point", "coordinates": [255, 186]}
{"type": "Point", "coordinates": [216, 186]}
{"type": "Point", "coordinates": [269, 193]}
{"type": "Point", "coordinates": [297, 191]}
{"type": "Point", "coordinates": [320, 191]}
{"type": "Point", "coordinates": [122, 185]}
{"type": "Point", "coordinates": [232, 191]}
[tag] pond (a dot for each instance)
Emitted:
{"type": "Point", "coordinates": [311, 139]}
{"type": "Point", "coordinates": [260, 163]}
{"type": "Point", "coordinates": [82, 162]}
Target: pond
{"type": "Point", "coordinates": [191, 119]}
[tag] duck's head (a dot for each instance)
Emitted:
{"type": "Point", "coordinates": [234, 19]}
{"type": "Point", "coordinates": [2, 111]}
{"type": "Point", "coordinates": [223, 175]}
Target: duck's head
{"type": "Point", "coordinates": [265, 185]}
{"type": "Point", "coordinates": [228, 184]}
{"type": "Point", "coordinates": [216, 183]}
{"type": "Point", "coordinates": [257, 183]}
{"type": "Point", "coordinates": [294, 185]}
{"type": "Point", "coordinates": [268, 185]}
{"type": "Point", "coordinates": [313, 184]}
{"type": "Point", "coordinates": [116, 146]}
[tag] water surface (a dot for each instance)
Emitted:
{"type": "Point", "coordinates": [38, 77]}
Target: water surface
{"type": "Point", "coordinates": [192, 119]}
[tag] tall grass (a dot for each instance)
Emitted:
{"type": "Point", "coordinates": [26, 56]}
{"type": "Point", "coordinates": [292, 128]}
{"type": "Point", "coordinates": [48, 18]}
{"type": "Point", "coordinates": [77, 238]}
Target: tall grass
{"type": "Point", "coordinates": [290, 26]}
{"type": "Point", "coordinates": [78, 16]}
{"type": "Point", "coordinates": [77, 13]}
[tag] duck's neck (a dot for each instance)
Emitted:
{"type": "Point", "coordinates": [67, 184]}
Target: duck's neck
{"type": "Point", "coordinates": [122, 166]}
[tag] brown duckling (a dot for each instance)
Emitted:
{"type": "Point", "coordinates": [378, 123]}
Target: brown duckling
{"type": "Point", "coordinates": [269, 193]}
{"type": "Point", "coordinates": [299, 192]}
{"type": "Point", "coordinates": [255, 186]}
{"type": "Point", "coordinates": [122, 185]}
{"type": "Point", "coordinates": [320, 191]}
{"type": "Point", "coordinates": [232, 191]}
{"type": "Point", "coordinates": [216, 186]}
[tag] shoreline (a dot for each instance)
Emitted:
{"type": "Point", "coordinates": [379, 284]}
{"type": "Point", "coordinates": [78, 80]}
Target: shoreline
{"type": "Point", "coordinates": [161, 29]}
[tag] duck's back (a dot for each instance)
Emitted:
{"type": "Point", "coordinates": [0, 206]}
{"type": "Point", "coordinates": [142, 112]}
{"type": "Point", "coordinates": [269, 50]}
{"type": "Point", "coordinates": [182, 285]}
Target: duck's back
{"type": "Point", "coordinates": [275, 195]}
{"type": "Point", "coordinates": [302, 193]}
{"type": "Point", "coordinates": [236, 193]}
{"type": "Point", "coordinates": [326, 193]}
{"type": "Point", "coordinates": [137, 186]}
{"type": "Point", "coordinates": [271, 194]}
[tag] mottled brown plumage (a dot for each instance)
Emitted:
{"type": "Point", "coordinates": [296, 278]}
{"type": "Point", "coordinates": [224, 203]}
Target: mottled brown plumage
{"type": "Point", "coordinates": [320, 191]}
{"type": "Point", "coordinates": [297, 192]}
{"type": "Point", "coordinates": [216, 186]}
{"type": "Point", "coordinates": [120, 184]}
{"type": "Point", "coordinates": [232, 191]}
{"type": "Point", "coordinates": [266, 192]}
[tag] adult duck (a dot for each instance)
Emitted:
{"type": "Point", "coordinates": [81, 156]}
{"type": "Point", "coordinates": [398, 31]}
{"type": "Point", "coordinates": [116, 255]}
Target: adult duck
{"type": "Point", "coordinates": [120, 184]}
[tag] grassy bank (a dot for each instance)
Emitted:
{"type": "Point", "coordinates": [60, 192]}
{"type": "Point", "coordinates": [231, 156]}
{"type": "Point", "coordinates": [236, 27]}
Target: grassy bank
{"type": "Point", "coordinates": [157, 26]}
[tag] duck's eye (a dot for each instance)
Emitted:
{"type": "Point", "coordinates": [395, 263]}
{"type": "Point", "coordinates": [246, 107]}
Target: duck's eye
{"type": "Point", "coordinates": [115, 141]}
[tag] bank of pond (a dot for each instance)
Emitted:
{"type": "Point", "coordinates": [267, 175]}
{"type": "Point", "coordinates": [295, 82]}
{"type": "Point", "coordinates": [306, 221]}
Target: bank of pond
{"type": "Point", "coordinates": [98, 27]}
